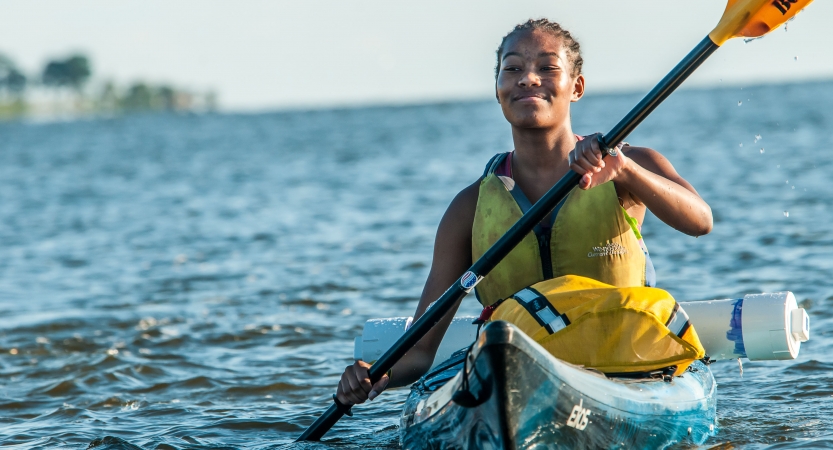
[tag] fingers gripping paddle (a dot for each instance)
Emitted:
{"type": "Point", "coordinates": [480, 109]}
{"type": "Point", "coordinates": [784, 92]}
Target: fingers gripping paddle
{"type": "Point", "coordinates": [742, 18]}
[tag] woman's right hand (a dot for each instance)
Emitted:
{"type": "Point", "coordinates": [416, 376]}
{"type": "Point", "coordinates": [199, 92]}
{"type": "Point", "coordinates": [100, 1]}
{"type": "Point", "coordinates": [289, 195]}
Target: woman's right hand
{"type": "Point", "coordinates": [355, 387]}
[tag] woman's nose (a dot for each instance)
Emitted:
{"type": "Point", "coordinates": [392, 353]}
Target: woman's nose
{"type": "Point", "coordinates": [529, 79]}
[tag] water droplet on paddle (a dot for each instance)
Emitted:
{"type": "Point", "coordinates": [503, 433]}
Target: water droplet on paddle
{"type": "Point", "coordinates": [762, 150]}
{"type": "Point", "coordinates": [740, 102]}
{"type": "Point", "coordinates": [786, 214]}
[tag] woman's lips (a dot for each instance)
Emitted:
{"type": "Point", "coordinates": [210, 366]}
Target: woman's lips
{"type": "Point", "coordinates": [529, 99]}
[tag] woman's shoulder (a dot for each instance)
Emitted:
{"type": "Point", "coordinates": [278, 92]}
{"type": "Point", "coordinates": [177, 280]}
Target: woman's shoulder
{"type": "Point", "coordinates": [465, 202]}
{"type": "Point", "coordinates": [459, 217]}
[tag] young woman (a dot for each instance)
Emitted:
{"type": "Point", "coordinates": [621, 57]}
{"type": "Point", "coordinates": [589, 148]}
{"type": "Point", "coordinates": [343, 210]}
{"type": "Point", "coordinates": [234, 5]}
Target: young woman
{"type": "Point", "coordinates": [593, 233]}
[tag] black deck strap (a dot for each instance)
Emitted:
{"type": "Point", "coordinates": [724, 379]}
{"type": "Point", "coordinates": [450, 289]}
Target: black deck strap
{"type": "Point", "coordinates": [455, 359]}
{"type": "Point", "coordinates": [678, 322]}
{"type": "Point", "coordinates": [542, 310]}
{"type": "Point", "coordinates": [664, 374]}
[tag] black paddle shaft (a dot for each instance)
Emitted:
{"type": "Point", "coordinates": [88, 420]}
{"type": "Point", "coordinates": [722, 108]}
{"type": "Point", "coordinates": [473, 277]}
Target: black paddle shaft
{"type": "Point", "coordinates": [513, 237]}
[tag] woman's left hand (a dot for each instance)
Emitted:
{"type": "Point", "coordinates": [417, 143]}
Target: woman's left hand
{"type": "Point", "coordinates": [586, 160]}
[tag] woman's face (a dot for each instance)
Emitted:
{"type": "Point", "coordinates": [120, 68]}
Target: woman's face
{"type": "Point", "coordinates": [535, 85]}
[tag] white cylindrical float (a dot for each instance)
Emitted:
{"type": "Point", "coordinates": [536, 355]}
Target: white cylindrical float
{"type": "Point", "coordinates": [758, 326]}
{"type": "Point", "coordinates": [380, 334]}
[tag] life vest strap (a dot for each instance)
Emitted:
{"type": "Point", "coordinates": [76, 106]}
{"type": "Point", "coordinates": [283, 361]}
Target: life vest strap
{"type": "Point", "coordinates": [542, 310]}
{"type": "Point", "coordinates": [494, 163]}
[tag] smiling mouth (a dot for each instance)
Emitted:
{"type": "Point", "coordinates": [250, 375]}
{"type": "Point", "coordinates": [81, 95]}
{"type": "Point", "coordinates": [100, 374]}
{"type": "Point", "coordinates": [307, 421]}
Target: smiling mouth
{"type": "Point", "coordinates": [530, 98]}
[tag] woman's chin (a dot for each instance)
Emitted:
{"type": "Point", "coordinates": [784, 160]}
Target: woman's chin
{"type": "Point", "coordinates": [532, 121]}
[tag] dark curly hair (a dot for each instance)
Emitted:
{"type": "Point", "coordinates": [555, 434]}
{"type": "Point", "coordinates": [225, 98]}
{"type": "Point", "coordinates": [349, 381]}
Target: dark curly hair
{"type": "Point", "coordinates": [573, 48]}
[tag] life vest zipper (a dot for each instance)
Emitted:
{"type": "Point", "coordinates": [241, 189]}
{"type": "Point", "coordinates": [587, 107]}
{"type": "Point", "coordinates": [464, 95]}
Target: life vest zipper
{"type": "Point", "coordinates": [544, 250]}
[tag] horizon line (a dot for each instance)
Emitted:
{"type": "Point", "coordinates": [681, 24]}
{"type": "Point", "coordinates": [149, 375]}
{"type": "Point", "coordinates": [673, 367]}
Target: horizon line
{"type": "Point", "coordinates": [623, 91]}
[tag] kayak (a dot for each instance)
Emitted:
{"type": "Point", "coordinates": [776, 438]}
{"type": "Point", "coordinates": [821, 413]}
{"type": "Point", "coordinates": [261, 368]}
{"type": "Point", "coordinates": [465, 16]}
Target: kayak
{"type": "Point", "coordinates": [508, 392]}
{"type": "Point", "coordinates": [500, 389]}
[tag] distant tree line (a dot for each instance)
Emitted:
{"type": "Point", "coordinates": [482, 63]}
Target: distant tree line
{"type": "Point", "coordinates": [12, 80]}
{"type": "Point", "coordinates": [72, 74]}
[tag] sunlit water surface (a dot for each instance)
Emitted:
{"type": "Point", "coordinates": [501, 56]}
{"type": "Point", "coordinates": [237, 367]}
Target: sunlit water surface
{"type": "Point", "coordinates": [182, 282]}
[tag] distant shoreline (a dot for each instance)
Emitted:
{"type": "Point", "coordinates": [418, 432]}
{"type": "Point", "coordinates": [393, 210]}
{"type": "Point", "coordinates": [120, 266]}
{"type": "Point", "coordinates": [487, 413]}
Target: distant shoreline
{"type": "Point", "coordinates": [65, 110]}
{"type": "Point", "coordinates": [381, 104]}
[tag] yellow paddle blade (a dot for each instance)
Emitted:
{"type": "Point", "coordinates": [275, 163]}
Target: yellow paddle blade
{"type": "Point", "coordinates": [754, 18]}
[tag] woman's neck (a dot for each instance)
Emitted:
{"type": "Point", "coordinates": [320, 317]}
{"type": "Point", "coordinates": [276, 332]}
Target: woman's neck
{"type": "Point", "coordinates": [543, 152]}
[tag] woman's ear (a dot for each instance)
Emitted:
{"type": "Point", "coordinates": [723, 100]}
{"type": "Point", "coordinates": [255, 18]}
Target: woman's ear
{"type": "Point", "coordinates": [578, 89]}
{"type": "Point", "coordinates": [496, 96]}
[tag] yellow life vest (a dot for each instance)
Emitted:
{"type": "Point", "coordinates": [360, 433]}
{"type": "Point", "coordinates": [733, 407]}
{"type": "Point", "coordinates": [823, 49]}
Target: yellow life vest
{"type": "Point", "coordinates": [596, 325]}
{"type": "Point", "coordinates": [591, 236]}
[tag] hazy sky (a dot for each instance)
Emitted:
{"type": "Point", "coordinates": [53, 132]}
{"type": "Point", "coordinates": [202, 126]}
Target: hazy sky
{"type": "Point", "coordinates": [276, 54]}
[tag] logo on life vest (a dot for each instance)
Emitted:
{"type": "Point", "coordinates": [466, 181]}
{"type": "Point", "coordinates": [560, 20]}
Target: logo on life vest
{"type": "Point", "coordinates": [783, 5]}
{"type": "Point", "coordinates": [579, 416]}
{"type": "Point", "coordinates": [613, 248]}
{"type": "Point", "coordinates": [469, 280]}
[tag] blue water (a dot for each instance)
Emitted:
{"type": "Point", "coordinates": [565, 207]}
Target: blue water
{"type": "Point", "coordinates": [179, 282]}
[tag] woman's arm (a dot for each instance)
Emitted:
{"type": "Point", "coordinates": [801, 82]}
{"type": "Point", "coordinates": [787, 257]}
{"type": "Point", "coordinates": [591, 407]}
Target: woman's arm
{"type": "Point", "coordinates": [651, 180]}
{"type": "Point", "coordinates": [452, 257]}
{"type": "Point", "coordinates": [647, 179]}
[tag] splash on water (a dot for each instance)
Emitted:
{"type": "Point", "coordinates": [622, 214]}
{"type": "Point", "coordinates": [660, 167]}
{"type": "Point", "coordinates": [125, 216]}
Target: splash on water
{"type": "Point", "coordinates": [786, 214]}
{"type": "Point", "coordinates": [740, 145]}
{"type": "Point", "coordinates": [740, 102]}
{"type": "Point", "coordinates": [762, 150]}
{"type": "Point", "coordinates": [758, 138]}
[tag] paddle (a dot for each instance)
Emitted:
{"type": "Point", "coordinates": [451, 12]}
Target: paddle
{"type": "Point", "coordinates": [742, 18]}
